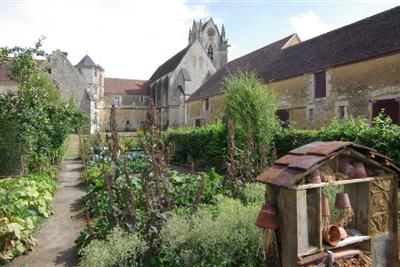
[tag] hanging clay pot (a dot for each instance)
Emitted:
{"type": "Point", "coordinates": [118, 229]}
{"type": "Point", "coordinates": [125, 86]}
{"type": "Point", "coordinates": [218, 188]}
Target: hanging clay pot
{"type": "Point", "coordinates": [325, 206]}
{"type": "Point", "coordinates": [343, 233]}
{"type": "Point", "coordinates": [346, 168]}
{"type": "Point", "coordinates": [342, 201]}
{"type": "Point", "coordinates": [267, 218]}
{"type": "Point", "coordinates": [314, 178]}
{"type": "Point", "coordinates": [331, 235]}
{"type": "Point", "coordinates": [359, 170]}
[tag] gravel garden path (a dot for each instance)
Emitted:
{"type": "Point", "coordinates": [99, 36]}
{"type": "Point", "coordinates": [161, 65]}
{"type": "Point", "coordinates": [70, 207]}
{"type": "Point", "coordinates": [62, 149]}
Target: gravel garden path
{"type": "Point", "coordinates": [57, 234]}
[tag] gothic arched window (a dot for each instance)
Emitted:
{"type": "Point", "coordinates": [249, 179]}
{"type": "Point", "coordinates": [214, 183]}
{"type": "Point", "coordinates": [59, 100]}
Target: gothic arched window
{"type": "Point", "coordinates": [210, 52]}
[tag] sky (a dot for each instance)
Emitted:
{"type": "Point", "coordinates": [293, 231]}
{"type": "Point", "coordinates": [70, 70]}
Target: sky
{"type": "Point", "coordinates": [131, 38]}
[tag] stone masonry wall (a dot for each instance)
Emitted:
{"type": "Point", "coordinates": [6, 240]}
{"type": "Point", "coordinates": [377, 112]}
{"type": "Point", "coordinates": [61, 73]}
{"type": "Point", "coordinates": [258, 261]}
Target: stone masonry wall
{"type": "Point", "coordinates": [354, 86]}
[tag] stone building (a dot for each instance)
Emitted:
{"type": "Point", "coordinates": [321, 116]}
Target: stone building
{"type": "Point", "coordinates": [181, 75]}
{"type": "Point", "coordinates": [131, 99]}
{"type": "Point", "coordinates": [352, 71]}
{"type": "Point", "coordinates": [82, 83]}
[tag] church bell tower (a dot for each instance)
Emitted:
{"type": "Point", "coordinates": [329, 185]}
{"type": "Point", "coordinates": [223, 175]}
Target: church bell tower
{"type": "Point", "coordinates": [213, 41]}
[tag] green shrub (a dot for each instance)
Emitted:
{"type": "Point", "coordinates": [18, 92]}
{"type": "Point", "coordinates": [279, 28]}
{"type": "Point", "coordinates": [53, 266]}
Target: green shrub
{"type": "Point", "coordinates": [221, 235]}
{"type": "Point", "coordinates": [205, 145]}
{"type": "Point", "coordinates": [290, 139]}
{"type": "Point", "coordinates": [252, 108]}
{"type": "Point", "coordinates": [119, 248]}
{"type": "Point", "coordinates": [132, 143]}
{"type": "Point", "coordinates": [383, 135]}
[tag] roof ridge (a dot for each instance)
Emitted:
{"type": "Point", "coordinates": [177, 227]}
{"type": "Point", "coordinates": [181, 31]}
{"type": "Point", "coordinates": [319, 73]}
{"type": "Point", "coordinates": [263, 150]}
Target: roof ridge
{"type": "Point", "coordinates": [139, 80]}
{"type": "Point", "coordinates": [170, 64]}
{"type": "Point", "coordinates": [345, 27]}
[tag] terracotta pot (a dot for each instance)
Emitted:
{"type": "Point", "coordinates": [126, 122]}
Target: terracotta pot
{"type": "Point", "coordinates": [345, 167]}
{"type": "Point", "coordinates": [331, 236]}
{"type": "Point", "coordinates": [359, 170]}
{"type": "Point", "coordinates": [343, 233]}
{"type": "Point", "coordinates": [316, 177]}
{"type": "Point", "coordinates": [267, 218]}
{"type": "Point", "coordinates": [342, 201]}
{"type": "Point", "coordinates": [325, 206]}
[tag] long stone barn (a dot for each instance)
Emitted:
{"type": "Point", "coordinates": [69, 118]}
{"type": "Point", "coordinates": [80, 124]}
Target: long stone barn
{"type": "Point", "coordinates": [352, 71]}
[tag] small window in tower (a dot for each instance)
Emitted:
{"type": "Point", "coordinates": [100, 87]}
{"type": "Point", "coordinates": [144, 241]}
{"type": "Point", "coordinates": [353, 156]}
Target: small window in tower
{"type": "Point", "coordinates": [210, 52]}
{"type": "Point", "coordinates": [310, 115]}
{"type": "Point", "coordinates": [341, 112]}
{"type": "Point", "coordinates": [49, 71]}
{"type": "Point", "coordinates": [95, 73]}
{"type": "Point", "coordinates": [207, 104]}
{"type": "Point", "coordinates": [141, 99]}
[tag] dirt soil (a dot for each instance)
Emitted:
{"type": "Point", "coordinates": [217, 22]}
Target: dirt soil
{"type": "Point", "coordinates": [56, 236]}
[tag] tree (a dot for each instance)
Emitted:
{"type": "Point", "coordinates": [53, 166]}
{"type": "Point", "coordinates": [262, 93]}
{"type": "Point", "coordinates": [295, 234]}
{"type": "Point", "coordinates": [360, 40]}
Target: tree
{"type": "Point", "coordinates": [40, 121]}
{"type": "Point", "coordinates": [252, 107]}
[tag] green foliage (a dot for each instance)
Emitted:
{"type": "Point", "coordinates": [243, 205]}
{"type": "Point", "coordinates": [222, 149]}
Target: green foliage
{"type": "Point", "coordinates": [252, 108]}
{"type": "Point", "coordinates": [35, 114]}
{"type": "Point", "coordinates": [119, 248]}
{"type": "Point", "coordinates": [205, 145]}
{"type": "Point", "coordinates": [24, 202]}
{"type": "Point", "coordinates": [108, 202]}
{"type": "Point", "coordinates": [383, 135]}
{"type": "Point", "coordinates": [290, 139]}
{"type": "Point", "coordinates": [220, 235]}
{"type": "Point", "coordinates": [186, 187]}
{"type": "Point", "coordinates": [132, 143]}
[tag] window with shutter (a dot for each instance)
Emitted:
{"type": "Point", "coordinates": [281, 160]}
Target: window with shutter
{"type": "Point", "coordinates": [320, 84]}
{"type": "Point", "coordinates": [389, 107]}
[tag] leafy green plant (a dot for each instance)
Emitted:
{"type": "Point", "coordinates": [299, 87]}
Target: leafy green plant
{"type": "Point", "coordinates": [119, 248]}
{"type": "Point", "coordinates": [252, 107]}
{"type": "Point", "coordinates": [24, 202]}
{"type": "Point", "coordinates": [34, 113]}
{"type": "Point", "coordinates": [220, 235]}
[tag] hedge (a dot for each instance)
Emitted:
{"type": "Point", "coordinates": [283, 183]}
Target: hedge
{"type": "Point", "coordinates": [207, 145]}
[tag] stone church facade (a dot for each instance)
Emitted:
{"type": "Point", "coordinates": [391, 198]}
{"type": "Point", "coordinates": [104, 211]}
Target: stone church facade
{"type": "Point", "coordinates": [181, 75]}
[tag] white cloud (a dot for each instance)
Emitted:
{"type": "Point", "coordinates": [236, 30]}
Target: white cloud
{"type": "Point", "coordinates": [308, 25]}
{"type": "Point", "coordinates": [129, 39]}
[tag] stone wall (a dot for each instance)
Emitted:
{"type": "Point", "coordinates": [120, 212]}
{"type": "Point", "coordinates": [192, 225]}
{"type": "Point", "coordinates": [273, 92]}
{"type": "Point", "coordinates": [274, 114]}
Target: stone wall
{"type": "Point", "coordinates": [196, 110]}
{"type": "Point", "coordinates": [8, 86]}
{"type": "Point", "coordinates": [354, 87]}
{"type": "Point", "coordinates": [131, 110]}
{"type": "Point", "coordinates": [173, 89]}
{"type": "Point", "coordinates": [67, 79]}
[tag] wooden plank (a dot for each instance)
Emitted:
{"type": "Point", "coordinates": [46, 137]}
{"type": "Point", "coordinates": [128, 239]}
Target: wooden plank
{"type": "Point", "coordinates": [287, 218]}
{"type": "Point", "coordinates": [340, 182]}
{"type": "Point", "coordinates": [314, 217]}
{"type": "Point", "coordinates": [394, 233]}
{"type": "Point", "coordinates": [302, 221]}
{"type": "Point", "coordinates": [350, 241]}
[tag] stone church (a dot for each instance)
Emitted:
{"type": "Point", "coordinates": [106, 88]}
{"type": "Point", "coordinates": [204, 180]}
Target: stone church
{"type": "Point", "coordinates": [170, 85]}
{"type": "Point", "coordinates": [180, 76]}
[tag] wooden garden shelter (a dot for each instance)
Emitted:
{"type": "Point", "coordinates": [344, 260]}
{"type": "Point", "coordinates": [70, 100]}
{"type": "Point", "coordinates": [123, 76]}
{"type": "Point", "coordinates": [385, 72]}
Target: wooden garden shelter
{"type": "Point", "coordinates": [373, 228]}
